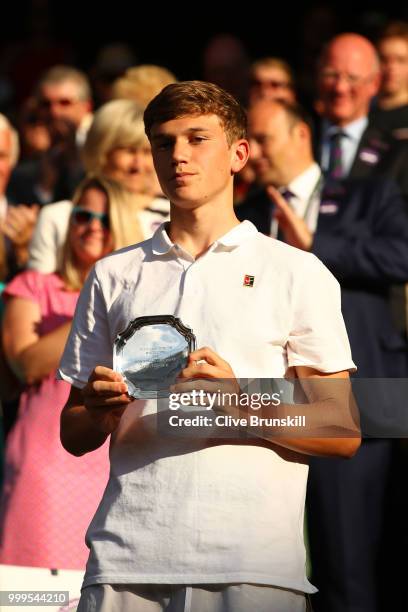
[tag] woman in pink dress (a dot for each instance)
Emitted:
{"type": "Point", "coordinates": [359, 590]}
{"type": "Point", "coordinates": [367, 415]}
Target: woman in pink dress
{"type": "Point", "coordinates": [50, 496]}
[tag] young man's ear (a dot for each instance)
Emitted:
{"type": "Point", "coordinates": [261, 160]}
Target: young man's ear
{"type": "Point", "coordinates": [240, 154]}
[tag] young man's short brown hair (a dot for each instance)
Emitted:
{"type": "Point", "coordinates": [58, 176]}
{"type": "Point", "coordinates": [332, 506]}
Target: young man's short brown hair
{"type": "Point", "coordinates": [190, 98]}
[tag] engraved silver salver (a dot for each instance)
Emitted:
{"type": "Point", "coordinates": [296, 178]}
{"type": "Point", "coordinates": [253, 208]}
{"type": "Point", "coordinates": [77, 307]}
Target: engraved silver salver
{"type": "Point", "coordinates": [151, 353]}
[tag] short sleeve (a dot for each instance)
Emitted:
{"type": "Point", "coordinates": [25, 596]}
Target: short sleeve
{"type": "Point", "coordinates": [28, 285]}
{"type": "Point", "coordinates": [318, 337]}
{"type": "Point", "coordinates": [89, 342]}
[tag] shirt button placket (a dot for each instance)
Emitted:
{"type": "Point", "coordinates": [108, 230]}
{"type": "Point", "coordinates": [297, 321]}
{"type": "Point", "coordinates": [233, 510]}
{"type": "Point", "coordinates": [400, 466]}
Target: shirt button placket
{"type": "Point", "coordinates": [190, 285]}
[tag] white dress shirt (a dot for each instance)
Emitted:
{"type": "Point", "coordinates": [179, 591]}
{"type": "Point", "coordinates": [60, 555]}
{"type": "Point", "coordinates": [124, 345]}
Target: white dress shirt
{"type": "Point", "coordinates": [305, 198]}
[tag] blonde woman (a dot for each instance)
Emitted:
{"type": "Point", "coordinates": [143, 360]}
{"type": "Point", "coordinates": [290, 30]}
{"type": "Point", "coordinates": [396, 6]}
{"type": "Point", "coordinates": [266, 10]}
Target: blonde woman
{"type": "Point", "coordinates": [49, 497]}
{"type": "Point", "coordinates": [142, 83]}
{"type": "Point", "coordinates": [116, 147]}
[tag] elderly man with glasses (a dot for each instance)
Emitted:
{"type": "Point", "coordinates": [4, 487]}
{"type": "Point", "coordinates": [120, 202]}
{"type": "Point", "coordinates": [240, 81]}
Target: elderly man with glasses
{"type": "Point", "coordinates": [348, 79]}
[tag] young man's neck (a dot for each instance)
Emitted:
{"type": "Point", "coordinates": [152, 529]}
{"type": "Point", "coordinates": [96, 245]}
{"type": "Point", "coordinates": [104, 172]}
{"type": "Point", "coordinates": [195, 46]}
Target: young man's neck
{"type": "Point", "coordinates": [196, 230]}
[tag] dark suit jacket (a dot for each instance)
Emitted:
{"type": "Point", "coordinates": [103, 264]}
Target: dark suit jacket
{"type": "Point", "coordinates": [380, 154]}
{"type": "Point", "coordinates": [363, 239]}
{"type": "Point", "coordinates": [364, 243]}
{"type": "Point", "coordinates": [393, 120]}
{"type": "Point", "coordinates": [25, 177]}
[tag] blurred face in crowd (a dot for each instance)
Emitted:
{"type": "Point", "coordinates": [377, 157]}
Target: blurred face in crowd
{"type": "Point", "coordinates": [393, 54]}
{"type": "Point", "coordinates": [277, 144]}
{"type": "Point", "coordinates": [6, 165]}
{"type": "Point", "coordinates": [348, 78]}
{"type": "Point", "coordinates": [36, 138]}
{"type": "Point", "coordinates": [90, 235]}
{"type": "Point", "coordinates": [271, 83]}
{"type": "Point", "coordinates": [132, 166]}
{"type": "Point", "coordinates": [62, 101]}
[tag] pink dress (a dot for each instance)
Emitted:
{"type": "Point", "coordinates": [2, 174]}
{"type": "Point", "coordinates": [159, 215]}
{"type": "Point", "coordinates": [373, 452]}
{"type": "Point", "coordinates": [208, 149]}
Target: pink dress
{"type": "Point", "coordinates": [49, 496]}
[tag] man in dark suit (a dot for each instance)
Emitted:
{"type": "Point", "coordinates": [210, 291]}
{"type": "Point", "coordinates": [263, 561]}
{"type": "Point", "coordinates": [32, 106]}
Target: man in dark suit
{"type": "Point", "coordinates": [281, 155]}
{"type": "Point", "coordinates": [348, 79]}
{"type": "Point", "coordinates": [359, 229]}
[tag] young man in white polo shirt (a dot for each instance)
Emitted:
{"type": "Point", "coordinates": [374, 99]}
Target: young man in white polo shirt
{"type": "Point", "coordinates": [203, 524]}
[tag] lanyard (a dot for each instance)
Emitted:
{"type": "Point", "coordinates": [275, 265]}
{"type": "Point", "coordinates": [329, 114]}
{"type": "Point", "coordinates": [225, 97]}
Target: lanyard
{"type": "Point", "coordinates": [316, 191]}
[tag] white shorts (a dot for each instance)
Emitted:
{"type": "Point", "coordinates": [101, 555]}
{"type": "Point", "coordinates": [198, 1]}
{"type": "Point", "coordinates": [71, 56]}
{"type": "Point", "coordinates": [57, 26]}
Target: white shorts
{"type": "Point", "coordinates": [197, 598]}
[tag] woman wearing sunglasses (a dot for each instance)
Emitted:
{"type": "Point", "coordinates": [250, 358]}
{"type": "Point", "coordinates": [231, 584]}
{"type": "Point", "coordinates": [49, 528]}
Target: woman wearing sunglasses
{"type": "Point", "coordinates": [49, 496]}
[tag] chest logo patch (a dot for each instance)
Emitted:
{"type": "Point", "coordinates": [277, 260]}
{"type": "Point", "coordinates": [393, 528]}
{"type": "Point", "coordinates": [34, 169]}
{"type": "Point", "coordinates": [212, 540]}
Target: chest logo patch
{"type": "Point", "coordinates": [248, 280]}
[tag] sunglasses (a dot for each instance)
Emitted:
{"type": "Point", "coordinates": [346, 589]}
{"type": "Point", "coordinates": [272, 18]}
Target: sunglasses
{"type": "Point", "coordinates": [45, 103]}
{"type": "Point", "coordinates": [82, 216]}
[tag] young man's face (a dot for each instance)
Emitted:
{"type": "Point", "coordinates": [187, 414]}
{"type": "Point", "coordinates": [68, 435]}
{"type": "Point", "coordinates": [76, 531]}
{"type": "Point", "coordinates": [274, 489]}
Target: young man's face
{"type": "Point", "coordinates": [193, 160]}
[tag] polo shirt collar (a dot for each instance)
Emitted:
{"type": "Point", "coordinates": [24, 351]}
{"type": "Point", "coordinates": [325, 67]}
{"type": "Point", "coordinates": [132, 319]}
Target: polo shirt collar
{"type": "Point", "coordinates": [161, 243]}
{"type": "Point", "coordinates": [237, 235]}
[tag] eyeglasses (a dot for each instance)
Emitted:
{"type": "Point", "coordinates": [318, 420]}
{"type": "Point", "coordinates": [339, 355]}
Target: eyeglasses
{"type": "Point", "coordinates": [65, 102]}
{"type": "Point", "coordinates": [82, 216]}
{"type": "Point", "coordinates": [354, 80]}
{"type": "Point", "coordinates": [270, 83]}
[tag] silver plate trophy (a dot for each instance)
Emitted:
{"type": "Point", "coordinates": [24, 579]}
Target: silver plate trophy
{"type": "Point", "coordinates": [150, 354]}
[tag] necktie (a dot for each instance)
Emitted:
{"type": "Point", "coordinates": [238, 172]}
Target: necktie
{"type": "Point", "coordinates": [335, 168]}
{"type": "Point", "coordinates": [287, 194]}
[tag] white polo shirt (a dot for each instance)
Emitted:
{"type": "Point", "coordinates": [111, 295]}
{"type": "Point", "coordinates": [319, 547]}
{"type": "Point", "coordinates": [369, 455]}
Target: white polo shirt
{"type": "Point", "coordinates": [179, 510]}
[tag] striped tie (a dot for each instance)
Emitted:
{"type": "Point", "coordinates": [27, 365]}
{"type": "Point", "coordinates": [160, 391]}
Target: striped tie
{"type": "Point", "coordinates": [335, 168]}
{"type": "Point", "coordinates": [287, 194]}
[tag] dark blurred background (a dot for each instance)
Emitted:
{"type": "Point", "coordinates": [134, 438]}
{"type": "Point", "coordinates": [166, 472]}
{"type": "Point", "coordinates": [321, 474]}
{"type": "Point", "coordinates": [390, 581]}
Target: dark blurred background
{"type": "Point", "coordinates": [39, 33]}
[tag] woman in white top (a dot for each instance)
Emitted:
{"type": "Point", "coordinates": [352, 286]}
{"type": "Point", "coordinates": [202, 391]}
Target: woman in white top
{"type": "Point", "coordinates": [116, 147]}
